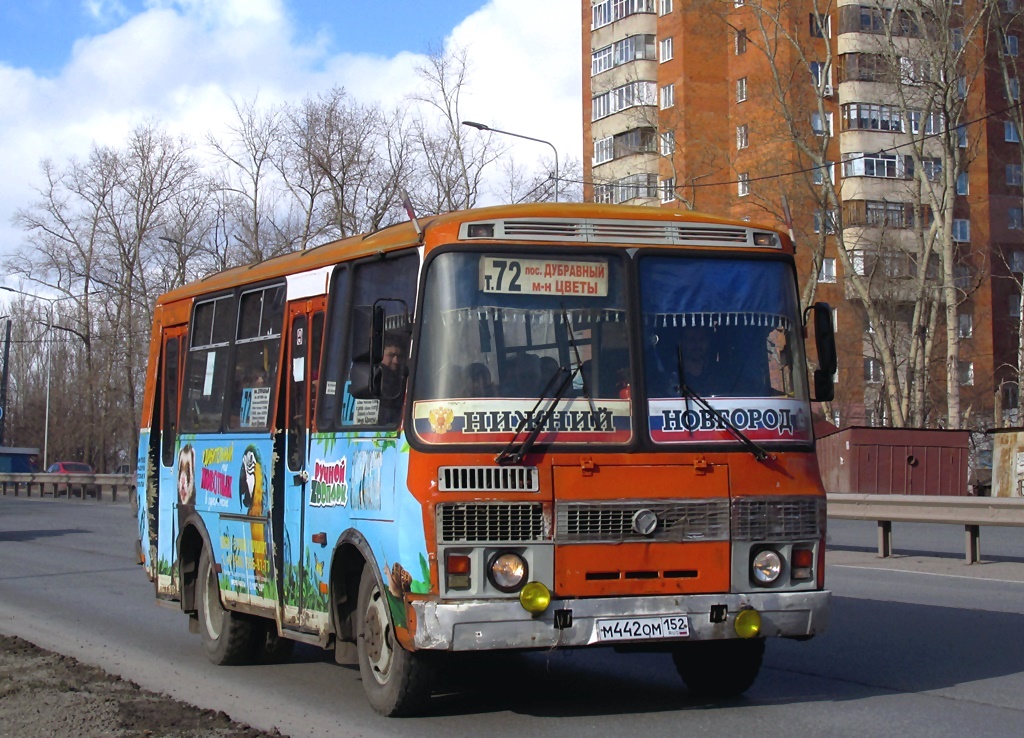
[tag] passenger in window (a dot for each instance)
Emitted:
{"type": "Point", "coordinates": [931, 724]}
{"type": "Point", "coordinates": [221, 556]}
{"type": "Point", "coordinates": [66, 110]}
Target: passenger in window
{"type": "Point", "coordinates": [392, 383]}
{"type": "Point", "coordinates": [548, 367]}
{"type": "Point", "coordinates": [479, 378]}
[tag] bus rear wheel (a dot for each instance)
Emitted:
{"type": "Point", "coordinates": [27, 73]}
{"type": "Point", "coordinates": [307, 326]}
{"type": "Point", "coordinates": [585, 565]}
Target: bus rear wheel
{"type": "Point", "coordinates": [396, 681]}
{"type": "Point", "coordinates": [719, 669]}
{"type": "Point", "coordinates": [227, 636]}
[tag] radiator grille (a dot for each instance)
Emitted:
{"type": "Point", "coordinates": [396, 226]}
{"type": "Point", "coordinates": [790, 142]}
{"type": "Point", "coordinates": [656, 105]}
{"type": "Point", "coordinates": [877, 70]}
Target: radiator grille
{"type": "Point", "coordinates": [777, 518]}
{"type": "Point", "coordinates": [488, 479]}
{"type": "Point", "coordinates": [678, 520]}
{"type": "Point", "coordinates": [490, 522]}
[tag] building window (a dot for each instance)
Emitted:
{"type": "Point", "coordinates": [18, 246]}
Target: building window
{"type": "Point", "coordinates": [664, 7]}
{"type": "Point", "coordinates": [825, 174]}
{"type": "Point", "coordinates": [961, 88]}
{"type": "Point", "coordinates": [961, 230]}
{"type": "Point", "coordinates": [1011, 395]}
{"type": "Point", "coordinates": [821, 125]}
{"type": "Point", "coordinates": [668, 96]}
{"type": "Point", "coordinates": [1014, 174]}
{"type": "Point", "coordinates": [668, 189]}
{"type": "Point", "coordinates": [743, 185]}
{"type": "Point", "coordinates": [931, 168]}
{"type": "Point", "coordinates": [819, 26]}
{"type": "Point", "coordinates": [668, 143]}
{"type": "Point", "coordinates": [741, 41]}
{"type": "Point", "coordinates": [628, 95]}
{"type": "Point", "coordinates": [609, 11]}
{"type": "Point", "coordinates": [629, 49]}
{"type": "Point", "coordinates": [963, 185]}
{"type": "Point", "coordinates": [1010, 132]}
{"type": "Point", "coordinates": [1014, 311]}
{"type": "Point", "coordinates": [828, 270]}
{"type": "Point", "coordinates": [665, 49]}
{"type": "Point", "coordinates": [634, 141]}
{"type": "Point", "coordinates": [825, 219]}
{"type": "Point", "coordinates": [604, 149]}
{"type": "Point", "coordinates": [741, 89]}
{"type": "Point", "coordinates": [822, 77]}
{"type": "Point", "coordinates": [956, 36]}
{"type": "Point", "coordinates": [964, 325]}
{"type": "Point", "coordinates": [601, 60]}
{"type": "Point", "coordinates": [742, 136]}
{"type": "Point", "coordinates": [628, 188]}
{"type": "Point", "coordinates": [887, 166]}
{"type": "Point", "coordinates": [1013, 88]}
{"type": "Point", "coordinates": [878, 213]}
{"type": "Point", "coordinates": [1011, 45]}
{"type": "Point", "coordinates": [1017, 261]}
{"type": "Point", "coordinates": [965, 373]}
{"type": "Point", "coordinates": [872, 370]}
{"type": "Point", "coordinates": [1015, 219]}
{"type": "Point", "coordinates": [933, 122]}
{"type": "Point", "coordinates": [863, 116]}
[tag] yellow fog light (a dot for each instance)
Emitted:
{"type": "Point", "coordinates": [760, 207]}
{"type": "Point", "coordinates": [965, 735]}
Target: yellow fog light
{"type": "Point", "coordinates": [748, 623]}
{"type": "Point", "coordinates": [535, 597]}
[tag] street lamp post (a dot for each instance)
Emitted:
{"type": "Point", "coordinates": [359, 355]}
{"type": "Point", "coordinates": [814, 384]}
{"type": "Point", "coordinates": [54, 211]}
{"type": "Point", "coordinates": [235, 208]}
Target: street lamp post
{"type": "Point", "coordinates": [483, 127]}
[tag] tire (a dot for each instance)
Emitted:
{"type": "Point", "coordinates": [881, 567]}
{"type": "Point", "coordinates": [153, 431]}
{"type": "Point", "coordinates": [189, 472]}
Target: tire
{"type": "Point", "coordinates": [397, 682]}
{"type": "Point", "coordinates": [227, 636]}
{"type": "Point", "coordinates": [719, 669]}
{"type": "Point", "coordinates": [267, 646]}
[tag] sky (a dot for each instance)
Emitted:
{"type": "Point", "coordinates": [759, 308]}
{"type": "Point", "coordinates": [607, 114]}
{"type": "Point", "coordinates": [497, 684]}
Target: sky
{"type": "Point", "coordinates": [74, 73]}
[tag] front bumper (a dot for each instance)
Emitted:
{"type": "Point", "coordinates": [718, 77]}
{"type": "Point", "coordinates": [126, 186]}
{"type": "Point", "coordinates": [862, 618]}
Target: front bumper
{"type": "Point", "coordinates": [486, 625]}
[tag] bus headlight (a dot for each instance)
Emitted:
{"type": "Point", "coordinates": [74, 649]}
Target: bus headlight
{"type": "Point", "coordinates": [766, 566]}
{"type": "Point", "coordinates": [507, 571]}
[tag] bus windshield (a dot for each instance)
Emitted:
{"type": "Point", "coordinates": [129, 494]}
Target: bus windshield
{"type": "Point", "coordinates": [724, 329]}
{"type": "Point", "coordinates": [502, 331]}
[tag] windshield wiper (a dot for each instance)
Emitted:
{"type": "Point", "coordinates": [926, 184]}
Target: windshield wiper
{"type": "Point", "coordinates": [759, 453]}
{"type": "Point", "coordinates": [579, 366]}
{"type": "Point", "coordinates": [507, 455]}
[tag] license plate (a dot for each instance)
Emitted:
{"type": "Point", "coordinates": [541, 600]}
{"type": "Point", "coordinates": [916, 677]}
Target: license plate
{"type": "Point", "coordinates": [633, 629]}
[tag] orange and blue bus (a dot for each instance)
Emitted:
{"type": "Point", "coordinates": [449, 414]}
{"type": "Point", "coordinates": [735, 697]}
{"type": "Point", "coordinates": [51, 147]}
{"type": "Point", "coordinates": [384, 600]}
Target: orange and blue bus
{"type": "Point", "coordinates": [518, 427]}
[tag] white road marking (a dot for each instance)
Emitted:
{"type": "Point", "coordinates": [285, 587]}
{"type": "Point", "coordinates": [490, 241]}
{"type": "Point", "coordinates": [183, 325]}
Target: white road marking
{"type": "Point", "coordinates": [925, 573]}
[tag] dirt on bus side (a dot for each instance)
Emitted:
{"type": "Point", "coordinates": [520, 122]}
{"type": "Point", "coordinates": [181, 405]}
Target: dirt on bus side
{"type": "Point", "coordinates": [44, 694]}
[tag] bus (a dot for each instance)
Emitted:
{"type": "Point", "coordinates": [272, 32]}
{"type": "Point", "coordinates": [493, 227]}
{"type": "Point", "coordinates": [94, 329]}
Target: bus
{"type": "Point", "coordinates": [517, 427]}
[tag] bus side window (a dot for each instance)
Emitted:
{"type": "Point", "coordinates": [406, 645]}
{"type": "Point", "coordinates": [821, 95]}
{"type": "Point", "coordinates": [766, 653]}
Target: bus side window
{"type": "Point", "coordinates": [169, 410]}
{"type": "Point", "coordinates": [258, 346]}
{"type": "Point", "coordinates": [206, 367]}
{"type": "Point", "coordinates": [391, 284]}
{"type": "Point", "coordinates": [315, 351]}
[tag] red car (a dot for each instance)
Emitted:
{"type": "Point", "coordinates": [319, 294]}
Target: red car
{"type": "Point", "coordinates": [73, 467]}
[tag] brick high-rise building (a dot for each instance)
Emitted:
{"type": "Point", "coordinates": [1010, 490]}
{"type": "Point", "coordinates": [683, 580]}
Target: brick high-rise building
{"type": "Point", "coordinates": [683, 107]}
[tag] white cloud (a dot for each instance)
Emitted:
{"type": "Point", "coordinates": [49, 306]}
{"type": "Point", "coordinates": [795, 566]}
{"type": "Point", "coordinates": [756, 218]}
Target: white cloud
{"type": "Point", "coordinates": [180, 62]}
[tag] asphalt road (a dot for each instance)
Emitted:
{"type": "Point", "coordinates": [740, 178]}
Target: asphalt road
{"type": "Point", "coordinates": [920, 644]}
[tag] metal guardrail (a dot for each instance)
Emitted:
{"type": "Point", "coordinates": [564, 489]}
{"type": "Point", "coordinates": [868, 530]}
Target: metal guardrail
{"type": "Point", "coordinates": [970, 512]}
{"type": "Point", "coordinates": [82, 486]}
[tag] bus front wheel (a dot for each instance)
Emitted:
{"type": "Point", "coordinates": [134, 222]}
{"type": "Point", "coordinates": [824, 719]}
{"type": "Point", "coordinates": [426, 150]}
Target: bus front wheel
{"type": "Point", "coordinates": [396, 681]}
{"type": "Point", "coordinates": [227, 636]}
{"type": "Point", "coordinates": [719, 669]}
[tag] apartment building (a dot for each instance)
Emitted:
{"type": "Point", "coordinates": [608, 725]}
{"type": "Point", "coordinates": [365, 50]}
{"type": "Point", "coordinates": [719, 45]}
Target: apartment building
{"type": "Point", "coordinates": [699, 105]}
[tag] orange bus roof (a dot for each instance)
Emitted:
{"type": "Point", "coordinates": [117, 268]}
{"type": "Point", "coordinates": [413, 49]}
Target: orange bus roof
{"type": "Point", "coordinates": [403, 235]}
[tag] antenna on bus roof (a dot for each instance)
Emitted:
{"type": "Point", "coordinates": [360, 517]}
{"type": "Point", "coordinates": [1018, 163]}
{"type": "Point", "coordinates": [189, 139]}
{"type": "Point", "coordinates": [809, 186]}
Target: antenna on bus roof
{"type": "Point", "coordinates": [407, 204]}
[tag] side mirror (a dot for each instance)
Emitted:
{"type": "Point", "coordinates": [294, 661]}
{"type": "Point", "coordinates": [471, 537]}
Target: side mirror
{"type": "Point", "coordinates": [361, 380]}
{"type": "Point", "coordinates": [824, 387]}
{"type": "Point", "coordinates": [825, 344]}
{"type": "Point", "coordinates": [362, 332]}
{"type": "Point", "coordinates": [825, 337]}
{"type": "Point", "coordinates": [377, 334]}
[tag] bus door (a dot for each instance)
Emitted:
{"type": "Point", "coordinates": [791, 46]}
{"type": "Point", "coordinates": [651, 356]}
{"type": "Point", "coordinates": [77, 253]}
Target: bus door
{"type": "Point", "coordinates": [301, 563]}
{"type": "Point", "coordinates": [163, 508]}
